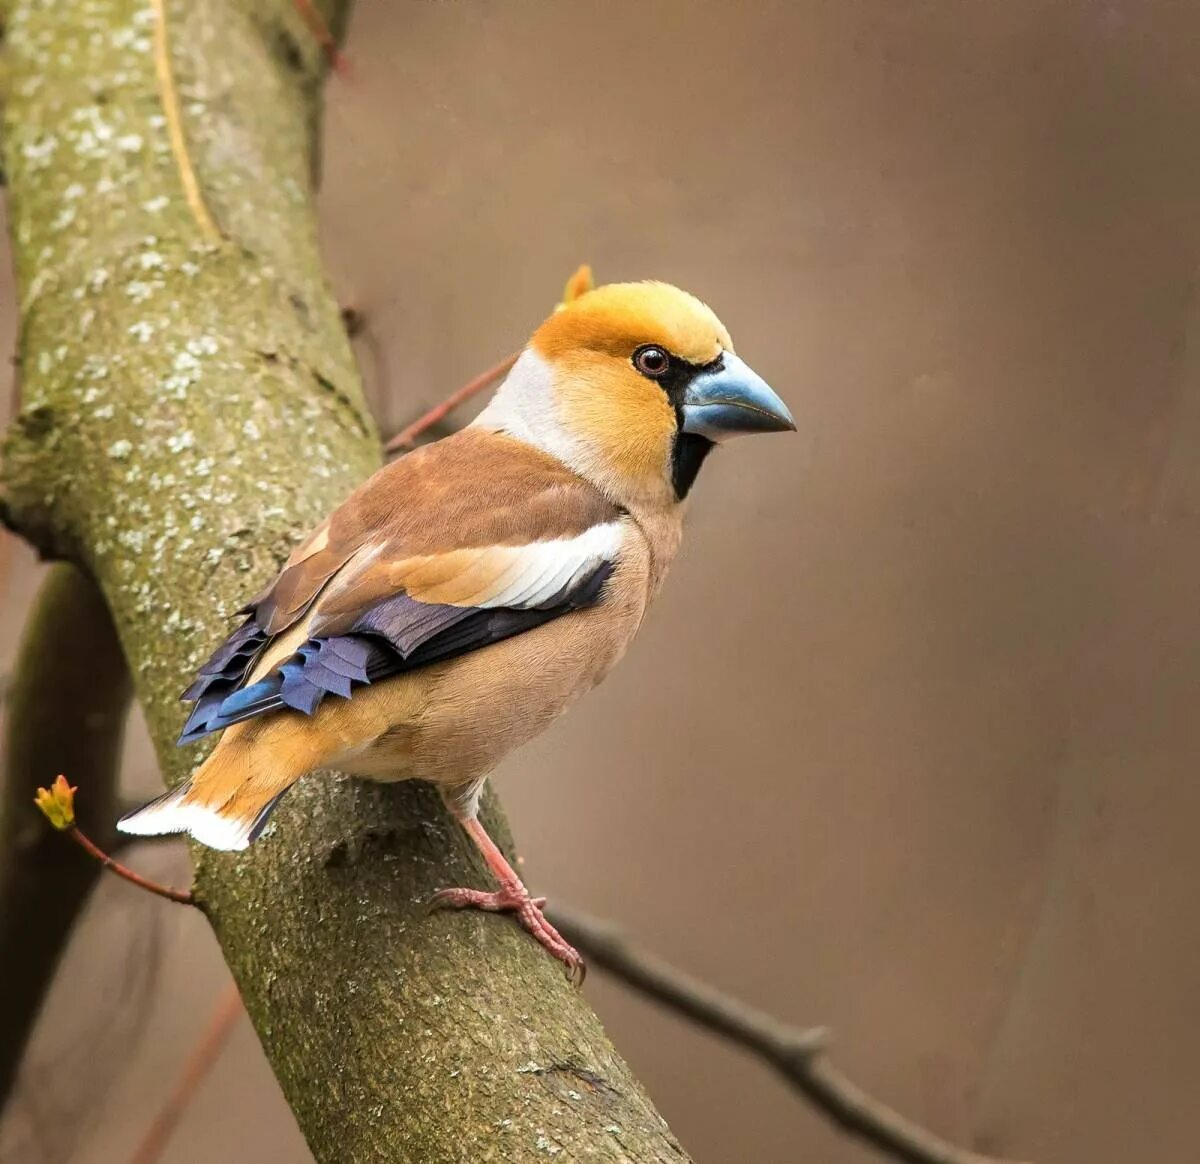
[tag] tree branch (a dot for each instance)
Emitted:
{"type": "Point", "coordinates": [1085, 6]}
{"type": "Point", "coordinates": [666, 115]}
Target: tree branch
{"type": "Point", "coordinates": [199, 1063]}
{"type": "Point", "coordinates": [406, 438]}
{"type": "Point", "coordinates": [798, 1055]}
{"type": "Point", "coordinates": [65, 711]}
{"type": "Point", "coordinates": [188, 411]}
{"type": "Point", "coordinates": [179, 896]}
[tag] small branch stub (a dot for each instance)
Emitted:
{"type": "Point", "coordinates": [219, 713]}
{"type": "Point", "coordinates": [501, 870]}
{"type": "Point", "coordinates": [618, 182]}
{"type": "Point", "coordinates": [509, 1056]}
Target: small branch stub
{"type": "Point", "coordinates": [57, 805]}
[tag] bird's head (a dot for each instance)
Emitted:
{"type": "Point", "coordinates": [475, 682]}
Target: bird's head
{"type": "Point", "coordinates": [631, 385]}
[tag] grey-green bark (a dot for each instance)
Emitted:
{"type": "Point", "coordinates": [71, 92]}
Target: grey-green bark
{"type": "Point", "coordinates": [189, 409]}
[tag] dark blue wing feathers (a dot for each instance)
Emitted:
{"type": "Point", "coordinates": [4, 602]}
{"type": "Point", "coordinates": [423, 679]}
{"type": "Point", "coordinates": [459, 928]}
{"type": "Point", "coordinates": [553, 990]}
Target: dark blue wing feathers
{"type": "Point", "coordinates": [220, 677]}
{"type": "Point", "coordinates": [394, 636]}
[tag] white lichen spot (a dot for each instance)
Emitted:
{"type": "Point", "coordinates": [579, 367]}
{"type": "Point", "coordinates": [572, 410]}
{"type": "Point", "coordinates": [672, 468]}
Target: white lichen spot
{"type": "Point", "coordinates": [156, 205]}
{"type": "Point", "coordinates": [130, 143]}
{"type": "Point", "coordinates": [250, 429]}
{"type": "Point", "coordinates": [530, 1068]}
{"type": "Point", "coordinates": [612, 1129]}
{"type": "Point", "coordinates": [139, 291]}
{"type": "Point", "coordinates": [151, 261]}
{"type": "Point", "coordinates": [181, 440]}
{"type": "Point", "coordinates": [63, 218]}
{"type": "Point", "coordinates": [39, 154]}
{"type": "Point", "coordinates": [574, 1095]}
{"type": "Point", "coordinates": [119, 450]}
{"type": "Point", "coordinates": [141, 331]}
{"type": "Point", "coordinates": [543, 1144]}
{"type": "Point", "coordinates": [73, 191]}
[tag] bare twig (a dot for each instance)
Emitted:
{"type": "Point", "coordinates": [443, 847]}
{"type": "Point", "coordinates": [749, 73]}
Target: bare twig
{"type": "Point", "coordinates": [580, 283]}
{"type": "Point", "coordinates": [797, 1054]}
{"type": "Point", "coordinates": [57, 805]}
{"type": "Point", "coordinates": [199, 1064]}
{"type": "Point", "coordinates": [90, 847]}
{"type": "Point", "coordinates": [170, 103]}
{"type": "Point", "coordinates": [406, 437]}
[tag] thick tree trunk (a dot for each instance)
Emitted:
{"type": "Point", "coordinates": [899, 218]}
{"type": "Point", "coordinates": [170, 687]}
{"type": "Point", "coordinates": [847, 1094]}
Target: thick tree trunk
{"type": "Point", "coordinates": [190, 407]}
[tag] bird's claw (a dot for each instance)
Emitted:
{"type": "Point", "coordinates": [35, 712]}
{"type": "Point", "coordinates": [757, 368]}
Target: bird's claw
{"type": "Point", "coordinates": [529, 915]}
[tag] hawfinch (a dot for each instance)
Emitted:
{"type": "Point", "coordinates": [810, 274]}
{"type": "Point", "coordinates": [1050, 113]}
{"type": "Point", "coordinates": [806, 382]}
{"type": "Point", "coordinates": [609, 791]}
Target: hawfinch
{"type": "Point", "coordinates": [468, 593]}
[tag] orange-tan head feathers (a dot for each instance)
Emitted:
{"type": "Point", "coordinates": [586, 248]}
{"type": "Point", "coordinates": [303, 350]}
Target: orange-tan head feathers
{"type": "Point", "coordinates": [630, 385]}
{"type": "Point", "coordinates": [617, 318]}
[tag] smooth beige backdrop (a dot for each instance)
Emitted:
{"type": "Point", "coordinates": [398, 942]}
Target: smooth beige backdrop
{"type": "Point", "coordinates": [910, 744]}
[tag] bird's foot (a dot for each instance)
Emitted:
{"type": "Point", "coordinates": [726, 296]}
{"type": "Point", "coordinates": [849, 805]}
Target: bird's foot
{"type": "Point", "coordinates": [516, 899]}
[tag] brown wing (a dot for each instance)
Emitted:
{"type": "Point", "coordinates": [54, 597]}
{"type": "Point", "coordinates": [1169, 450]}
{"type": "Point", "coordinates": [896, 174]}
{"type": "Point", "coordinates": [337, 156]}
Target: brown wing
{"type": "Point", "coordinates": [443, 551]}
{"type": "Point", "coordinates": [473, 489]}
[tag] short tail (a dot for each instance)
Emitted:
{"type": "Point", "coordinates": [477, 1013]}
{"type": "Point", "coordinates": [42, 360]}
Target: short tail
{"type": "Point", "coordinates": [225, 805]}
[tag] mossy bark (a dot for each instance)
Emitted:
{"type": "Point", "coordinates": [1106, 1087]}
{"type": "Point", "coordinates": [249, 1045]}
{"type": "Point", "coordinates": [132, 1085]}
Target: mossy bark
{"type": "Point", "coordinates": [190, 408]}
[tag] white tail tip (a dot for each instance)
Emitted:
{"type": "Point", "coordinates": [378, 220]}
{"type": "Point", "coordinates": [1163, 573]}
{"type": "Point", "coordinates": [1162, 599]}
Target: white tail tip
{"type": "Point", "coordinates": [173, 813]}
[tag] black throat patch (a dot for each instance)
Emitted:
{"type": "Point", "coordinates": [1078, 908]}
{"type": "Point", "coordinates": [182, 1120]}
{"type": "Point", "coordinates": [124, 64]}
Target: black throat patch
{"type": "Point", "coordinates": [686, 458]}
{"type": "Point", "coordinates": [689, 450]}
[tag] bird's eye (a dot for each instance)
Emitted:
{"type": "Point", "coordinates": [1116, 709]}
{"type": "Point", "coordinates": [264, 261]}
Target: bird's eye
{"type": "Point", "coordinates": [651, 361]}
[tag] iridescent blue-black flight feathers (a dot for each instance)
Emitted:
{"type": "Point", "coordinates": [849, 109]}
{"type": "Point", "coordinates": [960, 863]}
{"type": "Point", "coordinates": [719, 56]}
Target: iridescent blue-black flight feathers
{"type": "Point", "coordinates": [396, 635]}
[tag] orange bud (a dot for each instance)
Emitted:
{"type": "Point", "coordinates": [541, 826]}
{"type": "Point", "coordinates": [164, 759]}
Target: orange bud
{"type": "Point", "coordinates": [57, 803]}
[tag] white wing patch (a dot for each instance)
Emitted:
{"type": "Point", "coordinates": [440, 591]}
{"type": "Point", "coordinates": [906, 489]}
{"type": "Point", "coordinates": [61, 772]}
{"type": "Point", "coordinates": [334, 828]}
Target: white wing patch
{"type": "Point", "coordinates": [548, 568]}
{"type": "Point", "coordinates": [511, 576]}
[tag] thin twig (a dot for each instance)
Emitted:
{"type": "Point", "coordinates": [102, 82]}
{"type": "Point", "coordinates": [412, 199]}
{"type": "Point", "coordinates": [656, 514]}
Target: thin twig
{"type": "Point", "coordinates": [170, 103]}
{"type": "Point", "coordinates": [198, 1065]}
{"type": "Point", "coordinates": [796, 1054]}
{"type": "Point", "coordinates": [405, 437]}
{"type": "Point", "coordinates": [580, 283]}
{"type": "Point", "coordinates": [180, 895]}
{"type": "Point", "coordinates": [321, 34]}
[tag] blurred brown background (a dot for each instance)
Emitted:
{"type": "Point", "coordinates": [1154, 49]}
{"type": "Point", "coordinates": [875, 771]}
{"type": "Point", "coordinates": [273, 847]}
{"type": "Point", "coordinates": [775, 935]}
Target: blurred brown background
{"type": "Point", "coordinates": [909, 745]}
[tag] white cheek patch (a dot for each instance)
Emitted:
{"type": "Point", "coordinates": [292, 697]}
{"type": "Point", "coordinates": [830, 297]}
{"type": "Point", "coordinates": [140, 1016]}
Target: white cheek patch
{"type": "Point", "coordinates": [524, 407]}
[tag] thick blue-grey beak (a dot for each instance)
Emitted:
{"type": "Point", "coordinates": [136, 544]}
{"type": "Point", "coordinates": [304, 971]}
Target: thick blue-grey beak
{"type": "Point", "coordinates": [732, 400]}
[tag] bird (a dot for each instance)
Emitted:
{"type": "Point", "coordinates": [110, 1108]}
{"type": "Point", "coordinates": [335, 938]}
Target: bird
{"type": "Point", "coordinates": [468, 593]}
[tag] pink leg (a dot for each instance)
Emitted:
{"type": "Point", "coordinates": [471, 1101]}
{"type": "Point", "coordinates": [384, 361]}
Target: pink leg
{"type": "Point", "coordinates": [511, 897]}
